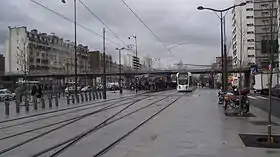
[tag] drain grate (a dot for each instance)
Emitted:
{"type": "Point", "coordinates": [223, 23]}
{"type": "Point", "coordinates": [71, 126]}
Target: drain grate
{"type": "Point", "coordinates": [264, 123]}
{"type": "Point", "coordinates": [260, 141]}
{"type": "Point", "coordinates": [238, 115]}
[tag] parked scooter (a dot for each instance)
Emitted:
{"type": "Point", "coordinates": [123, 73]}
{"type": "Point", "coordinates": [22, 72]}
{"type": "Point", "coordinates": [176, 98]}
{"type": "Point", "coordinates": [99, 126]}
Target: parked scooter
{"type": "Point", "coordinates": [233, 102]}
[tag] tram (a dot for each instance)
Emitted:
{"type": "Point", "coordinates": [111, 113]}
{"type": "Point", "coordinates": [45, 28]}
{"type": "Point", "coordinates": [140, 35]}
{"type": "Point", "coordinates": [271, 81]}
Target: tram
{"type": "Point", "coordinates": [184, 82]}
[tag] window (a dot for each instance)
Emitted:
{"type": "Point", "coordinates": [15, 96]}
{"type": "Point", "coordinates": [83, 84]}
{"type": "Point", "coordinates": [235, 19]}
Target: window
{"type": "Point", "coordinates": [250, 56]}
{"type": "Point", "coordinates": [250, 32]}
{"type": "Point", "coordinates": [250, 48]}
{"type": "Point", "coordinates": [265, 28]}
{"type": "Point", "coordinates": [249, 9]}
{"type": "Point", "coordinates": [37, 60]}
{"type": "Point", "coordinates": [249, 17]}
{"type": "Point", "coordinates": [250, 24]}
{"type": "Point", "coordinates": [250, 1]}
{"type": "Point", "coordinates": [265, 20]}
{"type": "Point", "coordinates": [265, 13]}
{"type": "Point", "coordinates": [250, 40]}
{"type": "Point", "coordinates": [264, 5]}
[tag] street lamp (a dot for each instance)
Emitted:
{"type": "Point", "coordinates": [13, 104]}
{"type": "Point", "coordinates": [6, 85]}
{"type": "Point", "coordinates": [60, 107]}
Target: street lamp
{"type": "Point", "coordinates": [120, 69]}
{"type": "Point", "coordinates": [75, 46]}
{"type": "Point", "coordinates": [223, 54]}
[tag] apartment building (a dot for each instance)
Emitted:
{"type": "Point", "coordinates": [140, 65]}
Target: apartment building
{"type": "Point", "coordinates": [97, 62]}
{"type": "Point", "coordinates": [36, 52]}
{"type": "Point", "coordinates": [251, 32]}
{"type": "Point", "coordinates": [218, 63]}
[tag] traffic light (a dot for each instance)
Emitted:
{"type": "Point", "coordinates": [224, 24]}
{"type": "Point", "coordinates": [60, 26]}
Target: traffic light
{"type": "Point", "coordinates": [136, 62]}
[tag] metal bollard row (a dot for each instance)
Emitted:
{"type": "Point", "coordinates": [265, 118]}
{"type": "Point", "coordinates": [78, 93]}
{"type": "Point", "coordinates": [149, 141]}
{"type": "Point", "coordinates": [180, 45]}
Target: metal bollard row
{"type": "Point", "coordinates": [52, 99]}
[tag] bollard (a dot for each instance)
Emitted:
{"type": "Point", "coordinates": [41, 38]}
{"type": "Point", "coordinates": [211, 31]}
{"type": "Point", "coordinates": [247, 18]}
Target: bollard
{"type": "Point", "coordinates": [86, 96]}
{"type": "Point", "coordinates": [77, 98]}
{"type": "Point", "coordinates": [82, 97]}
{"type": "Point", "coordinates": [17, 106]}
{"type": "Point", "coordinates": [101, 94]}
{"type": "Point", "coordinates": [56, 99]}
{"type": "Point", "coordinates": [50, 102]}
{"type": "Point", "coordinates": [26, 103]}
{"type": "Point", "coordinates": [43, 103]}
{"type": "Point", "coordinates": [7, 108]}
{"type": "Point", "coordinates": [96, 95]}
{"type": "Point", "coordinates": [73, 99]}
{"type": "Point", "coordinates": [93, 95]}
{"type": "Point", "coordinates": [89, 96]}
{"type": "Point", "coordinates": [35, 105]}
{"type": "Point", "coordinates": [68, 99]}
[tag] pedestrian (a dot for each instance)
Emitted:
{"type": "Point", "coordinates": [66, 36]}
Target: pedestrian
{"type": "Point", "coordinates": [33, 93]}
{"type": "Point", "coordinates": [39, 92]}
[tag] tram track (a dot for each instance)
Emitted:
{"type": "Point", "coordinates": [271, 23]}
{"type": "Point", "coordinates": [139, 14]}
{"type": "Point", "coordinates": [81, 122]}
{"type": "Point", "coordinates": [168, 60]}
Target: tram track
{"type": "Point", "coordinates": [71, 121]}
{"type": "Point", "coordinates": [71, 141]}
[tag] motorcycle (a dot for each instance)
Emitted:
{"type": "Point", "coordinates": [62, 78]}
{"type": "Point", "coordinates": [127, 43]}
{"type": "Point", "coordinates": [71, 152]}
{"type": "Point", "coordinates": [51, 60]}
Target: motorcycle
{"type": "Point", "coordinates": [221, 97]}
{"type": "Point", "coordinates": [233, 102]}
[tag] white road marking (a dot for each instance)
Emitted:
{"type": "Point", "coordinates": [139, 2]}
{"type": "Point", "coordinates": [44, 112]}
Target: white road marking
{"type": "Point", "coordinates": [261, 97]}
{"type": "Point", "coordinates": [251, 97]}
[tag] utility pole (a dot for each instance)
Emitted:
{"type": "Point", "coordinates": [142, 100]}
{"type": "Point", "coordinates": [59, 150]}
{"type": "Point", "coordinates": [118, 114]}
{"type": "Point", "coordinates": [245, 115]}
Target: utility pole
{"type": "Point", "coordinates": [240, 62]}
{"type": "Point", "coordinates": [104, 66]}
{"type": "Point", "coordinates": [225, 58]}
{"type": "Point", "coordinates": [271, 58]}
{"type": "Point", "coordinates": [222, 49]}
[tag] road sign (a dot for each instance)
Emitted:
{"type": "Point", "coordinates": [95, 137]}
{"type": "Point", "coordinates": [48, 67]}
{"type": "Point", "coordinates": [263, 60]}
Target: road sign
{"type": "Point", "coordinates": [255, 69]}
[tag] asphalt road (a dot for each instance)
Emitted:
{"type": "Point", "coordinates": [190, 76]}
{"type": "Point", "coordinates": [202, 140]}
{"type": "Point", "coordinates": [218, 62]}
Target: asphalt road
{"type": "Point", "coordinates": [262, 102]}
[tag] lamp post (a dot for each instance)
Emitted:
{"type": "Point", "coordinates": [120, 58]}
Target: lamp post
{"type": "Point", "coordinates": [120, 69]}
{"type": "Point", "coordinates": [75, 46]}
{"type": "Point", "coordinates": [223, 45]}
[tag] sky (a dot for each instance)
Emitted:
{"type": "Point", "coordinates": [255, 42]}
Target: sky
{"type": "Point", "coordinates": [172, 21]}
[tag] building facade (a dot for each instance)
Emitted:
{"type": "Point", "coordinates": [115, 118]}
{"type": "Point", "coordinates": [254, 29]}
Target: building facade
{"type": "Point", "coordinates": [218, 63]}
{"type": "Point", "coordinates": [97, 62]}
{"type": "Point", "coordinates": [252, 33]}
{"type": "Point", "coordinates": [2, 65]}
{"type": "Point", "coordinates": [35, 52]}
{"type": "Point", "coordinates": [146, 63]}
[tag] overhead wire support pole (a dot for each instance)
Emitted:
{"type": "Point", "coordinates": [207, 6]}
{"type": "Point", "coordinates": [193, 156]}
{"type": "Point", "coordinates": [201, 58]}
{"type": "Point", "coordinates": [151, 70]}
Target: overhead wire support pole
{"type": "Point", "coordinates": [271, 63]}
{"type": "Point", "coordinates": [75, 47]}
{"type": "Point", "coordinates": [222, 49]}
{"type": "Point", "coordinates": [104, 66]}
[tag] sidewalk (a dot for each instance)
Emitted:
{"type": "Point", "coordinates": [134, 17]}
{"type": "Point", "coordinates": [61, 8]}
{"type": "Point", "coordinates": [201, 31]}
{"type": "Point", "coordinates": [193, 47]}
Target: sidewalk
{"type": "Point", "coordinates": [62, 104]}
{"type": "Point", "coordinates": [196, 127]}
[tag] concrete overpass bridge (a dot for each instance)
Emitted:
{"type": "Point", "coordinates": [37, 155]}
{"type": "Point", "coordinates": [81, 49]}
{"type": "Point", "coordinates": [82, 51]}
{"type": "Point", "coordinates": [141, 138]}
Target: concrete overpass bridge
{"type": "Point", "coordinates": [130, 73]}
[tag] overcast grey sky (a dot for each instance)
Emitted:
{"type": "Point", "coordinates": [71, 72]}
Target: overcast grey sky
{"type": "Point", "coordinates": [173, 21]}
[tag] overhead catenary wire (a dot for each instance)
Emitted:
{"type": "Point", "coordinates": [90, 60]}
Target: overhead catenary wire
{"type": "Point", "coordinates": [116, 36]}
{"type": "Point", "coordinates": [70, 20]}
{"type": "Point", "coordinates": [152, 32]}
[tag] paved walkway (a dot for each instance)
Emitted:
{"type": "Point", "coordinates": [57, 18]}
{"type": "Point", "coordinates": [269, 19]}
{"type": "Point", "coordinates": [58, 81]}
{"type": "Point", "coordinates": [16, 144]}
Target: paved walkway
{"type": "Point", "coordinates": [195, 127]}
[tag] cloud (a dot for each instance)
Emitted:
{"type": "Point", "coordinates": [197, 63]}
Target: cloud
{"type": "Point", "coordinates": [173, 21]}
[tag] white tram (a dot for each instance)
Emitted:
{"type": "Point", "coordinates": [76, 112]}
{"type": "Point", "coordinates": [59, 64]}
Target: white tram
{"type": "Point", "coordinates": [184, 82]}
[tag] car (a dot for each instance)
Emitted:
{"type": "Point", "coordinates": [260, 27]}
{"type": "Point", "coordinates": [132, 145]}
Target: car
{"type": "Point", "coordinates": [86, 89]}
{"type": "Point", "coordinates": [276, 90]}
{"type": "Point", "coordinates": [6, 94]}
{"type": "Point", "coordinates": [71, 89]}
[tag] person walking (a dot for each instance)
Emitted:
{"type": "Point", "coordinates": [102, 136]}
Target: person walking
{"type": "Point", "coordinates": [39, 92]}
{"type": "Point", "coordinates": [33, 93]}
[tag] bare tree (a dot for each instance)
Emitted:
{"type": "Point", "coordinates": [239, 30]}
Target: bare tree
{"type": "Point", "coordinates": [23, 56]}
{"type": "Point", "coordinates": [23, 62]}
